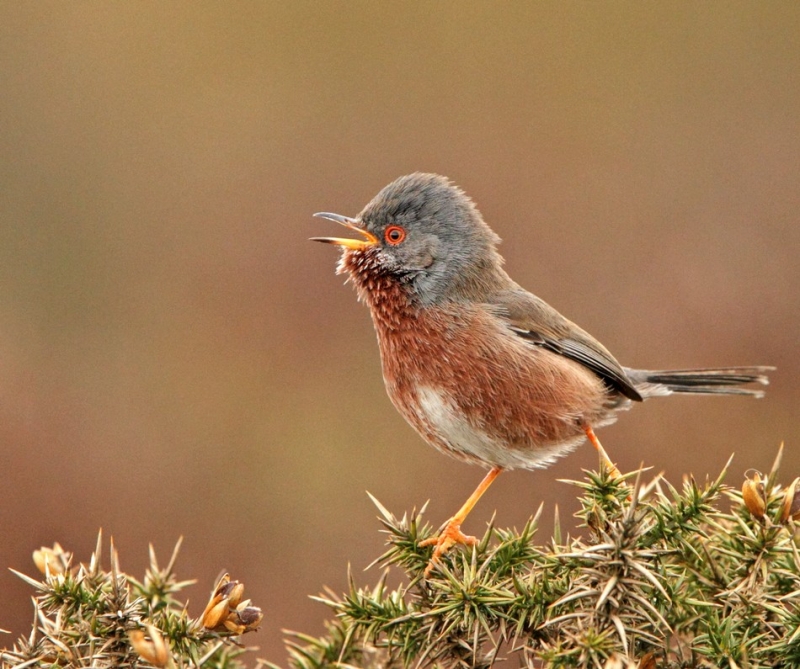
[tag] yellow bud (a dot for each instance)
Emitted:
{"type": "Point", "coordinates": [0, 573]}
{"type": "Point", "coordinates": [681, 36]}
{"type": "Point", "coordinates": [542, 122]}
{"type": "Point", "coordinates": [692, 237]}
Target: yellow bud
{"type": "Point", "coordinates": [236, 593]}
{"type": "Point", "coordinates": [233, 627]}
{"type": "Point", "coordinates": [250, 617]}
{"type": "Point", "coordinates": [153, 650]}
{"type": "Point", "coordinates": [215, 612]}
{"type": "Point", "coordinates": [791, 502]}
{"type": "Point", "coordinates": [753, 496]}
{"type": "Point", "coordinates": [53, 561]}
{"type": "Point", "coordinates": [227, 612]}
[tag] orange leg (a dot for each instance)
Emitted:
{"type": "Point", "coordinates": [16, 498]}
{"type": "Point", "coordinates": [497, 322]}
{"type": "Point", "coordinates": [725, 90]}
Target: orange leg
{"type": "Point", "coordinates": [612, 468]}
{"type": "Point", "coordinates": [452, 533]}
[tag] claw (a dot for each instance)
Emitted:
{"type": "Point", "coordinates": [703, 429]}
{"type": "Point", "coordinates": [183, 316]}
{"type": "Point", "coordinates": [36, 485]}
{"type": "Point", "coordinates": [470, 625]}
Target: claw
{"type": "Point", "coordinates": [449, 537]}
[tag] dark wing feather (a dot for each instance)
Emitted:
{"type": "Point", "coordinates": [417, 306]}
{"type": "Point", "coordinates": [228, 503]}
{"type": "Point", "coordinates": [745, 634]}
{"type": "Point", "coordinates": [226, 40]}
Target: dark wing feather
{"type": "Point", "coordinates": [537, 322]}
{"type": "Point", "coordinates": [593, 358]}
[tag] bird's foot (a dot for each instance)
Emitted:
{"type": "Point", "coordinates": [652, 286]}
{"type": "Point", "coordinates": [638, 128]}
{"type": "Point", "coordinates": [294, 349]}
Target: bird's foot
{"type": "Point", "coordinates": [448, 537]}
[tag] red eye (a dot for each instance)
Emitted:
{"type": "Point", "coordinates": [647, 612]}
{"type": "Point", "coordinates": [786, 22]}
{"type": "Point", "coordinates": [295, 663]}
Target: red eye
{"type": "Point", "coordinates": [394, 234]}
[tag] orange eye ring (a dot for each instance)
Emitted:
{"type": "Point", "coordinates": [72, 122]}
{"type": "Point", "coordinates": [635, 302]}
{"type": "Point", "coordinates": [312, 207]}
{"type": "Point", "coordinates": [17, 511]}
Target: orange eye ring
{"type": "Point", "coordinates": [394, 235]}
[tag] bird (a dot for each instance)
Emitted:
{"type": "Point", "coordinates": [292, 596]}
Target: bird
{"type": "Point", "coordinates": [482, 369]}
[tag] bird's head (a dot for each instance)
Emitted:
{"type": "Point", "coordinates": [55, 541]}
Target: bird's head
{"type": "Point", "coordinates": [425, 233]}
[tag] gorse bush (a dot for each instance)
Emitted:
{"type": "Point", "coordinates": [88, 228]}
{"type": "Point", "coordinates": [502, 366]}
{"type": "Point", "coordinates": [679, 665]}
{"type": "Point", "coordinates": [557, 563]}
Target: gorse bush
{"type": "Point", "coordinates": [663, 577]}
{"type": "Point", "coordinates": [88, 616]}
{"type": "Point", "coordinates": [701, 575]}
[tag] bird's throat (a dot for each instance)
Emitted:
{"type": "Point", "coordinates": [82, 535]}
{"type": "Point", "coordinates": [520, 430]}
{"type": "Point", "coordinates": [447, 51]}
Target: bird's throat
{"type": "Point", "coordinates": [390, 300]}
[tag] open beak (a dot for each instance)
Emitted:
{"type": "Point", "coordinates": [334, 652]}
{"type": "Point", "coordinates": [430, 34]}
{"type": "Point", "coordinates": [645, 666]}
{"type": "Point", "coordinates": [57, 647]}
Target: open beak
{"type": "Point", "coordinates": [352, 224]}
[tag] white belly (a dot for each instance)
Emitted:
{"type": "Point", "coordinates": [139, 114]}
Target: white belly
{"type": "Point", "coordinates": [450, 424]}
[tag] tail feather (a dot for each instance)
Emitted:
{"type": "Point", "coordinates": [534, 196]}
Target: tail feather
{"type": "Point", "coordinates": [714, 381]}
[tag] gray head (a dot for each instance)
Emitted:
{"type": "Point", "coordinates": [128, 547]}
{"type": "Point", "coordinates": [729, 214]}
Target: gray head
{"type": "Point", "coordinates": [428, 233]}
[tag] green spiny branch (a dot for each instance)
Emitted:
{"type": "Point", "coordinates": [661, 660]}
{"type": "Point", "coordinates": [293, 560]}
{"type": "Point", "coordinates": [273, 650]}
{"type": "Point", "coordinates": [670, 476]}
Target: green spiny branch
{"type": "Point", "coordinates": [86, 615]}
{"type": "Point", "coordinates": [664, 577]}
{"type": "Point", "coordinates": [661, 576]}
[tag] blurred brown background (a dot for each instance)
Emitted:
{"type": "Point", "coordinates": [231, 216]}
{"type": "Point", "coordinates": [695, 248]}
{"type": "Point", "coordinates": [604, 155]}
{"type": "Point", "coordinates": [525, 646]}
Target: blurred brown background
{"type": "Point", "coordinates": [177, 359]}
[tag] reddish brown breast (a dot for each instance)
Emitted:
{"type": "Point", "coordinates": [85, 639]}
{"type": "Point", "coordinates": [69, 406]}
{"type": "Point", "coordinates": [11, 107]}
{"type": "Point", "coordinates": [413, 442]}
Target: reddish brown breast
{"type": "Point", "coordinates": [469, 385]}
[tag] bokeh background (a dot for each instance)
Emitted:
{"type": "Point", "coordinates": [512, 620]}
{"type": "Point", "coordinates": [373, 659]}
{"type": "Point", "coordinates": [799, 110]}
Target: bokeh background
{"type": "Point", "coordinates": [177, 359]}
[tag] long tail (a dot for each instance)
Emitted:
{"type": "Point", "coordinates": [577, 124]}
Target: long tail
{"type": "Point", "coordinates": [720, 381]}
